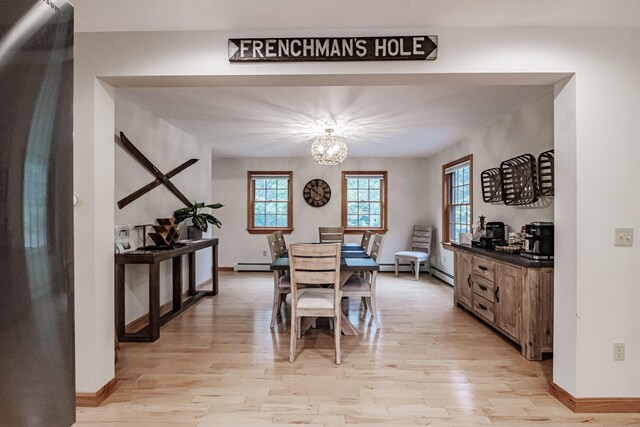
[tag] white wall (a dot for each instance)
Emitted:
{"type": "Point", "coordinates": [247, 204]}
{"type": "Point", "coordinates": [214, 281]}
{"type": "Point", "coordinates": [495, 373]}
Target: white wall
{"type": "Point", "coordinates": [603, 166]}
{"type": "Point", "coordinates": [406, 205]}
{"type": "Point", "coordinates": [166, 147]}
{"type": "Point", "coordinates": [528, 130]}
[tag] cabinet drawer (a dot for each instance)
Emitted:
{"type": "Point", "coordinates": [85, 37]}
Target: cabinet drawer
{"type": "Point", "coordinates": [484, 287]}
{"type": "Point", "coordinates": [483, 308]}
{"type": "Point", "coordinates": [484, 267]}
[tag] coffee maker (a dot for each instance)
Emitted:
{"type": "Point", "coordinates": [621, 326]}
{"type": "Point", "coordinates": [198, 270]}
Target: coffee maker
{"type": "Point", "coordinates": [495, 234]}
{"type": "Point", "coordinates": [538, 241]}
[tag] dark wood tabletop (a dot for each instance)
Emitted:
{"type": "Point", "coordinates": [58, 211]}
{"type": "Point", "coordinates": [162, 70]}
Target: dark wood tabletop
{"type": "Point", "coordinates": [353, 258]}
{"type": "Point", "coordinates": [152, 256]}
{"type": "Point", "coordinates": [508, 258]}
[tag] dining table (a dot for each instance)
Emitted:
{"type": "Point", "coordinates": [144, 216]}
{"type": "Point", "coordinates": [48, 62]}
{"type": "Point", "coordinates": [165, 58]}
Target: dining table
{"type": "Point", "coordinates": [353, 259]}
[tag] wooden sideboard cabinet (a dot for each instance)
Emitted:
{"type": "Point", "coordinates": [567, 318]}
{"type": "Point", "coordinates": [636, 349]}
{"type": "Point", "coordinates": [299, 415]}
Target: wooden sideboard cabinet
{"type": "Point", "coordinates": [512, 294]}
{"type": "Point", "coordinates": [463, 285]}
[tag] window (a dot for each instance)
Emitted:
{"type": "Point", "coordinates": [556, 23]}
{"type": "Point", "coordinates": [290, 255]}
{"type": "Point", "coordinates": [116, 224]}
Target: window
{"type": "Point", "coordinates": [364, 201]}
{"type": "Point", "coordinates": [270, 207]}
{"type": "Point", "coordinates": [457, 198]}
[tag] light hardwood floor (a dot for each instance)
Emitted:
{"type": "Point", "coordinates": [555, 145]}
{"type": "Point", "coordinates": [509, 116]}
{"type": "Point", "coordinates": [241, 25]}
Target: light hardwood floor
{"type": "Point", "coordinates": [219, 364]}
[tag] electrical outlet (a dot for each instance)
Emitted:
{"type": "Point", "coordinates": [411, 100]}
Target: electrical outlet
{"type": "Point", "coordinates": [618, 351]}
{"type": "Point", "coordinates": [264, 253]}
{"type": "Point", "coordinates": [623, 237]}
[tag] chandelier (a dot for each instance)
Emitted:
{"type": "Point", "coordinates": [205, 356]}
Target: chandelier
{"type": "Point", "coordinates": [329, 149]}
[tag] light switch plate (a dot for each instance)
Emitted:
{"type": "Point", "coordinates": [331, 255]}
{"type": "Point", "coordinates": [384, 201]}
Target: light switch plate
{"type": "Point", "coordinates": [623, 237]}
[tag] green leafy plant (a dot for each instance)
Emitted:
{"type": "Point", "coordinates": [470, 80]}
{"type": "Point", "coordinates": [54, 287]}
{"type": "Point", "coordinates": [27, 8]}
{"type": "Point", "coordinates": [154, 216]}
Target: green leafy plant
{"type": "Point", "coordinates": [199, 219]}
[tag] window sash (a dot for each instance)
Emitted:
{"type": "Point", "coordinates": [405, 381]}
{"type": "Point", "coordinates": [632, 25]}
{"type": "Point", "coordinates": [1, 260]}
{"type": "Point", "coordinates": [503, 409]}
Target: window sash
{"type": "Point", "coordinates": [457, 198]}
{"type": "Point", "coordinates": [364, 206]}
{"type": "Point", "coordinates": [457, 227]}
{"type": "Point", "coordinates": [457, 167]}
{"type": "Point", "coordinates": [352, 176]}
{"type": "Point", "coordinates": [270, 208]}
{"type": "Point", "coordinates": [257, 177]}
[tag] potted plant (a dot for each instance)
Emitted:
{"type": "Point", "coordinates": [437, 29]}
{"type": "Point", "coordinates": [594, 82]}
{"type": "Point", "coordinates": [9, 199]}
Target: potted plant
{"type": "Point", "coordinates": [199, 220]}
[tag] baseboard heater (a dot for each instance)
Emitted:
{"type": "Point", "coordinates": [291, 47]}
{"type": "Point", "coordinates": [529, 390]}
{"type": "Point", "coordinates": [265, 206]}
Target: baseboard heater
{"type": "Point", "coordinates": [252, 266]}
{"type": "Point", "coordinates": [443, 275]}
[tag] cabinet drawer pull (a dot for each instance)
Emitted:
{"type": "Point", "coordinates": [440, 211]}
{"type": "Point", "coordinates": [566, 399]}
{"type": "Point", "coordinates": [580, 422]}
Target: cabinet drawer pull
{"type": "Point", "coordinates": [484, 288]}
{"type": "Point", "coordinates": [482, 267]}
{"type": "Point", "coordinates": [482, 306]}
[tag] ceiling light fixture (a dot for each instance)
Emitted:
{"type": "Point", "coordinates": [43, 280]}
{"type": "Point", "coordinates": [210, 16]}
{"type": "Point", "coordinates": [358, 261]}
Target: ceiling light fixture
{"type": "Point", "coordinates": [329, 149]}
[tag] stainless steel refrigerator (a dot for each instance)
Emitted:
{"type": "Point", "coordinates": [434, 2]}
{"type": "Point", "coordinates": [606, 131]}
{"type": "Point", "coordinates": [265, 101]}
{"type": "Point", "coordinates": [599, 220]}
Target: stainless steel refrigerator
{"type": "Point", "coordinates": [37, 385]}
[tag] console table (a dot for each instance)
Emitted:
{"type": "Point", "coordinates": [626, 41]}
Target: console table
{"type": "Point", "coordinates": [153, 257]}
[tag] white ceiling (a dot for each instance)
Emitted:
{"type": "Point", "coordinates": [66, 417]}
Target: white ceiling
{"type": "Point", "coordinates": [383, 121]}
{"type": "Point", "coordinates": [377, 121]}
{"type": "Point", "coordinates": [172, 15]}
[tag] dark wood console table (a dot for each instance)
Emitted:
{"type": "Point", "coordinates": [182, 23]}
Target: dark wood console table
{"type": "Point", "coordinates": [153, 258]}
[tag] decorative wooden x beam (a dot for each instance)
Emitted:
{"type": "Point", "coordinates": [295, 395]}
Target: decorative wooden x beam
{"type": "Point", "coordinates": [160, 177]}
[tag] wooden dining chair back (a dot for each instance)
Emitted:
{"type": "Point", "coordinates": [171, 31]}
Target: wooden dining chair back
{"type": "Point", "coordinates": [315, 265]}
{"type": "Point", "coordinates": [421, 242]}
{"type": "Point", "coordinates": [280, 240]}
{"type": "Point", "coordinates": [364, 287]}
{"type": "Point", "coordinates": [366, 237]}
{"type": "Point", "coordinates": [281, 280]}
{"type": "Point", "coordinates": [421, 238]}
{"type": "Point", "coordinates": [331, 234]}
{"type": "Point", "coordinates": [274, 247]}
{"type": "Point", "coordinates": [376, 247]}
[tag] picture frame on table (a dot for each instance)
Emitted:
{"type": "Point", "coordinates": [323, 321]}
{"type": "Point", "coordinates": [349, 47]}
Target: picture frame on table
{"type": "Point", "coordinates": [122, 236]}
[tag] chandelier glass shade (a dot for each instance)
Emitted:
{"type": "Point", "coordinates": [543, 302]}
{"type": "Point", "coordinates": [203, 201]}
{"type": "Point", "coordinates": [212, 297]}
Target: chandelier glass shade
{"type": "Point", "coordinates": [329, 149]}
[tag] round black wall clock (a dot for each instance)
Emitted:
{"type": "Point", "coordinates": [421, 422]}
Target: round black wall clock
{"type": "Point", "coordinates": [317, 193]}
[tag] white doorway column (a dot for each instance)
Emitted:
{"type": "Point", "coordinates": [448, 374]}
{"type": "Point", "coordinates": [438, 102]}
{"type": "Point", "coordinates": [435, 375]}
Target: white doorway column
{"type": "Point", "coordinates": [93, 228]}
{"type": "Point", "coordinates": [566, 243]}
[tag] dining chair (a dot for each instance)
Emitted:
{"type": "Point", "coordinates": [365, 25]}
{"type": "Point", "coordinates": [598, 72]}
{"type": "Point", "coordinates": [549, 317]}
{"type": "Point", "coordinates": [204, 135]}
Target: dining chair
{"type": "Point", "coordinates": [420, 250]}
{"type": "Point", "coordinates": [364, 243]}
{"type": "Point", "coordinates": [280, 239]}
{"type": "Point", "coordinates": [331, 234]}
{"type": "Point", "coordinates": [315, 265]}
{"type": "Point", "coordinates": [365, 287]}
{"type": "Point", "coordinates": [281, 281]}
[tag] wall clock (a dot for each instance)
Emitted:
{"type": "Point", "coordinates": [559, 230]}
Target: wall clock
{"type": "Point", "coordinates": [317, 193]}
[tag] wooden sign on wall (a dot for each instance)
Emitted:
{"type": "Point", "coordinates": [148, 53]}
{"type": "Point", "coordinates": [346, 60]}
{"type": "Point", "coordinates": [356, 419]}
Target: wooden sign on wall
{"type": "Point", "coordinates": [298, 49]}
